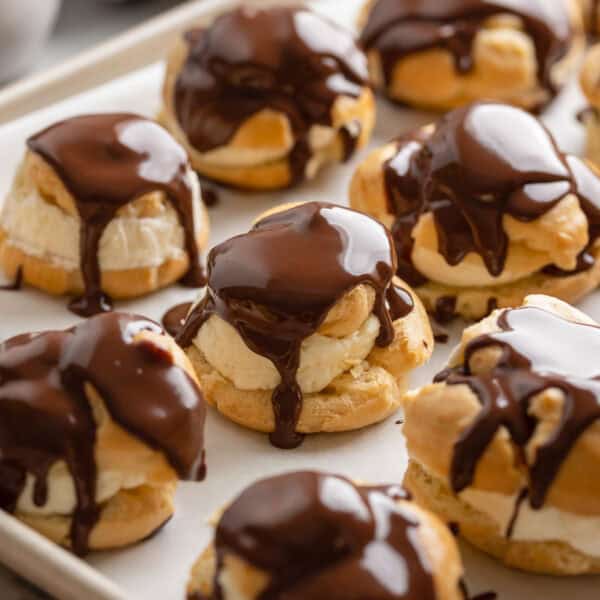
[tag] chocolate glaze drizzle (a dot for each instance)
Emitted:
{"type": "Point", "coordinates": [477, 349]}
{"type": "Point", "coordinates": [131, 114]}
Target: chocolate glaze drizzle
{"type": "Point", "coordinates": [277, 283]}
{"type": "Point", "coordinates": [174, 319]}
{"type": "Point", "coordinates": [477, 166]}
{"type": "Point", "coordinates": [107, 161]}
{"type": "Point", "coordinates": [286, 59]}
{"type": "Point", "coordinates": [45, 415]}
{"type": "Point", "coordinates": [322, 537]}
{"type": "Point", "coordinates": [529, 365]}
{"type": "Point", "coordinates": [399, 28]}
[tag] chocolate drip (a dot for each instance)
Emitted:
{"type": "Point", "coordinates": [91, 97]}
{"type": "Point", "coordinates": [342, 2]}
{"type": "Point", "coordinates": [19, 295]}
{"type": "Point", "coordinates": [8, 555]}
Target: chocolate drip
{"type": "Point", "coordinates": [399, 28]}
{"type": "Point", "coordinates": [470, 172]}
{"type": "Point", "coordinates": [320, 536]}
{"type": "Point", "coordinates": [277, 283]}
{"type": "Point", "coordinates": [45, 415]}
{"type": "Point", "coordinates": [350, 134]}
{"type": "Point", "coordinates": [106, 161]}
{"type": "Point", "coordinates": [174, 318]}
{"type": "Point", "coordinates": [289, 60]}
{"type": "Point", "coordinates": [16, 284]}
{"type": "Point", "coordinates": [528, 366]}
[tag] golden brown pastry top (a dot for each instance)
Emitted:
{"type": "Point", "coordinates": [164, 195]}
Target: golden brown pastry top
{"type": "Point", "coordinates": [280, 60]}
{"type": "Point", "coordinates": [315, 535]}
{"type": "Point", "coordinates": [58, 387]}
{"type": "Point", "coordinates": [517, 409]}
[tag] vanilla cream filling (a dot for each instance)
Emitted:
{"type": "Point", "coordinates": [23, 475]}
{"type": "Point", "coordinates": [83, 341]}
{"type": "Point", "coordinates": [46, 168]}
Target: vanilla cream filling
{"type": "Point", "coordinates": [43, 230]}
{"type": "Point", "coordinates": [544, 525]}
{"type": "Point", "coordinates": [322, 358]}
{"type": "Point", "coordinates": [62, 498]}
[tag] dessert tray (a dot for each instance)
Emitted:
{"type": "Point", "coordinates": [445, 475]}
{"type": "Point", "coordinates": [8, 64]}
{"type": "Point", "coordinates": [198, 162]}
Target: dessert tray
{"type": "Point", "coordinates": [157, 569]}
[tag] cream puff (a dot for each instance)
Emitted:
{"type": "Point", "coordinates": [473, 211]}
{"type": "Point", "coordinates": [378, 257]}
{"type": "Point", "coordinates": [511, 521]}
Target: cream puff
{"type": "Point", "coordinates": [303, 328]}
{"type": "Point", "coordinates": [484, 210]}
{"type": "Point", "coordinates": [440, 55]}
{"type": "Point", "coordinates": [97, 424]}
{"type": "Point", "coordinates": [263, 98]}
{"type": "Point", "coordinates": [506, 441]}
{"type": "Point", "coordinates": [103, 206]}
{"type": "Point", "coordinates": [313, 535]}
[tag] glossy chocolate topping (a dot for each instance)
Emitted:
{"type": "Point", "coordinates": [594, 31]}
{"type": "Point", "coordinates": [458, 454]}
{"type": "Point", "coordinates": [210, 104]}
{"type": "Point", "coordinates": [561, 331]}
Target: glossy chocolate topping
{"type": "Point", "coordinates": [398, 28]}
{"type": "Point", "coordinates": [482, 162]}
{"type": "Point", "coordinates": [539, 351]}
{"type": "Point", "coordinates": [277, 283]}
{"type": "Point", "coordinates": [45, 414]}
{"type": "Point", "coordinates": [174, 318]}
{"type": "Point", "coordinates": [321, 537]}
{"type": "Point", "coordinates": [106, 161]}
{"type": "Point", "coordinates": [289, 60]}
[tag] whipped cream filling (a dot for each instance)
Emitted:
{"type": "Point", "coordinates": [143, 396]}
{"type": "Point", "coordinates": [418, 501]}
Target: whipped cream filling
{"type": "Point", "coordinates": [322, 358]}
{"type": "Point", "coordinates": [62, 498]}
{"type": "Point", "coordinates": [544, 525]}
{"type": "Point", "coordinates": [43, 230]}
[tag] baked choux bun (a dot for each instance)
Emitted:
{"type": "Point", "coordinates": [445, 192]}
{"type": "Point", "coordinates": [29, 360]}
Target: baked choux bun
{"type": "Point", "coordinates": [506, 441]}
{"type": "Point", "coordinates": [303, 327]}
{"type": "Point", "coordinates": [484, 210]}
{"type": "Point", "coordinates": [263, 98]}
{"type": "Point", "coordinates": [441, 55]}
{"type": "Point", "coordinates": [308, 535]}
{"type": "Point", "coordinates": [97, 424]}
{"type": "Point", "coordinates": [590, 117]}
{"type": "Point", "coordinates": [103, 206]}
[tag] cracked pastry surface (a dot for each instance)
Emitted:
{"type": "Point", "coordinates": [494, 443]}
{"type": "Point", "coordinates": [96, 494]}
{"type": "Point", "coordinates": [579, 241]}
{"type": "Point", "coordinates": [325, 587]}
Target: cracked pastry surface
{"type": "Point", "coordinates": [88, 453]}
{"type": "Point", "coordinates": [314, 535]}
{"type": "Point", "coordinates": [303, 327]}
{"type": "Point", "coordinates": [506, 441]}
{"type": "Point", "coordinates": [440, 55]}
{"type": "Point", "coordinates": [485, 209]}
{"type": "Point", "coordinates": [263, 98]}
{"type": "Point", "coordinates": [103, 206]}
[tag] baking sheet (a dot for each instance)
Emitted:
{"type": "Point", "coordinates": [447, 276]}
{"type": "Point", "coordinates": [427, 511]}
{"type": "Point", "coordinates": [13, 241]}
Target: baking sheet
{"type": "Point", "coordinates": [157, 569]}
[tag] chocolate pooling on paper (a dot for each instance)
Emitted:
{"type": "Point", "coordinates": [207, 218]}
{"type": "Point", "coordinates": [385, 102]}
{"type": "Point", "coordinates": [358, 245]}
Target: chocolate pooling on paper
{"type": "Point", "coordinates": [106, 161]}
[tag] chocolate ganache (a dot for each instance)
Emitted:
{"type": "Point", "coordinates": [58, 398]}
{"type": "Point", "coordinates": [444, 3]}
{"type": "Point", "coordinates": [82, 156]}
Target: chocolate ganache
{"type": "Point", "coordinates": [528, 365]}
{"type": "Point", "coordinates": [277, 283]}
{"type": "Point", "coordinates": [399, 28]}
{"type": "Point", "coordinates": [322, 537]}
{"type": "Point", "coordinates": [287, 59]}
{"type": "Point", "coordinates": [106, 161]}
{"type": "Point", "coordinates": [46, 417]}
{"type": "Point", "coordinates": [482, 162]}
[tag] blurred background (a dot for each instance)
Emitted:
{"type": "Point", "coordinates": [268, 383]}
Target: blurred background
{"type": "Point", "coordinates": [37, 34]}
